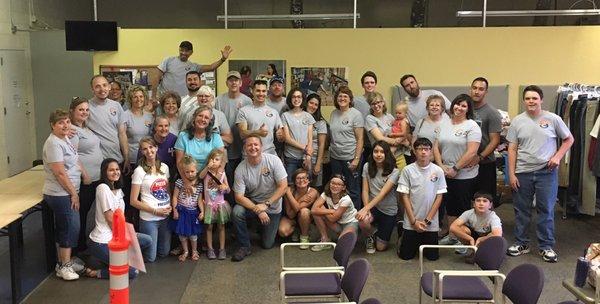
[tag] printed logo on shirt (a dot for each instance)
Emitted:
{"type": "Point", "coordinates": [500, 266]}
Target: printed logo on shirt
{"type": "Point", "coordinates": [238, 105]}
{"type": "Point", "coordinates": [147, 123]}
{"type": "Point", "coordinates": [269, 114]}
{"type": "Point", "coordinates": [113, 111]}
{"type": "Point", "coordinates": [544, 124]}
{"type": "Point", "coordinates": [264, 171]}
{"type": "Point", "coordinates": [305, 122]}
{"type": "Point", "coordinates": [171, 151]}
{"type": "Point", "coordinates": [460, 133]}
{"type": "Point", "coordinates": [436, 130]}
{"type": "Point", "coordinates": [433, 177]}
{"type": "Point", "coordinates": [345, 121]}
{"type": "Point", "coordinates": [159, 190]}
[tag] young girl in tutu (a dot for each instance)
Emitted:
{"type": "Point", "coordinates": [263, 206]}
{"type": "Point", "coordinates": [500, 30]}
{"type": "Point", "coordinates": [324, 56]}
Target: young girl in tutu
{"type": "Point", "coordinates": [188, 210]}
{"type": "Point", "coordinates": [216, 207]}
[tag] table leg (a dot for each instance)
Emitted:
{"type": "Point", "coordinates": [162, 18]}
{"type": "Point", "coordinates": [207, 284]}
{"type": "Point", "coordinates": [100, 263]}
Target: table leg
{"type": "Point", "coordinates": [48, 225]}
{"type": "Point", "coordinates": [15, 258]}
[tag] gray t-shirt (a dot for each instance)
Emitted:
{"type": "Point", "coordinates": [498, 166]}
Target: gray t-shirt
{"type": "Point", "coordinates": [429, 129]}
{"type": "Point", "coordinates": [137, 128]}
{"type": "Point", "coordinates": [174, 71]}
{"type": "Point", "coordinates": [536, 139]}
{"type": "Point", "coordinates": [258, 183]}
{"type": "Point", "coordinates": [231, 107]}
{"type": "Point", "coordinates": [453, 140]}
{"type": "Point", "coordinates": [255, 117]}
{"type": "Point", "coordinates": [490, 121]}
{"type": "Point", "coordinates": [104, 120]}
{"type": "Point", "coordinates": [189, 104]}
{"type": "Point", "coordinates": [279, 105]}
{"type": "Point", "coordinates": [343, 140]}
{"type": "Point", "coordinates": [361, 104]}
{"type": "Point", "coordinates": [88, 148]}
{"type": "Point", "coordinates": [482, 224]}
{"type": "Point", "coordinates": [320, 127]}
{"type": "Point", "coordinates": [58, 150]}
{"type": "Point", "coordinates": [383, 123]}
{"type": "Point", "coordinates": [422, 184]}
{"type": "Point", "coordinates": [298, 128]}
{"type": "Point", "coordinates": [389, 204]}
{"type": "Point", "coordinates": [417, 106]}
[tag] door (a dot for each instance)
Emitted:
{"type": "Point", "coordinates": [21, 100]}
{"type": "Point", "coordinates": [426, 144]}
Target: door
{"type": "Point", "coordinates": [16, 111]}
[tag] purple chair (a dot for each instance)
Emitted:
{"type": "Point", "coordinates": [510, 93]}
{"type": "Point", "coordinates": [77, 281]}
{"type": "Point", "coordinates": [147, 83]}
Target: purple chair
{"type": "Point", "coordinates": [524, 284]}
{"type": "Point", "coordinates": [325, 283]}
{"type": "Point", "coordinates": [371, 301]}
{"type": "Point", "coordinates": [465, 285]}
{"type": "Point", "coordinates": [295, 281]}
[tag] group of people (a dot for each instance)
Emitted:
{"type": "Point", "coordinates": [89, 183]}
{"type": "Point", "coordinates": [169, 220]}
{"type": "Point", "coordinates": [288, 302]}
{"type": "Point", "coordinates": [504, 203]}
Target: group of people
{"type": "Point", "coordinates": [196, 162]}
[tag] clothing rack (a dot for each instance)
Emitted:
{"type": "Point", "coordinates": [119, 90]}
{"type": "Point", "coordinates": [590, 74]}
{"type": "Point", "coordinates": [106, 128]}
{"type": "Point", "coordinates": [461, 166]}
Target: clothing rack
{"type": "Point", "coordinates": [577, 104]}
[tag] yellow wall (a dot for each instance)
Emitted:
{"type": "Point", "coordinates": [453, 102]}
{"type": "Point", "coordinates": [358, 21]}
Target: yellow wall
{"type": "Point", "coordinates": [436, 56]}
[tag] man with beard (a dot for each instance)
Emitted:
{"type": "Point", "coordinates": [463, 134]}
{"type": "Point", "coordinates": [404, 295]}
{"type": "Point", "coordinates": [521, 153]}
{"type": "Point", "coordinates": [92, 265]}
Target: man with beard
{"type": "Point", "coordinates": [258, 119]}
{"type": "Point", "coordinates": [173, 69]}
{"type": "Point", "coordinates": [276, 99]}
{"type": "Point", "coordinates": [417, 98]}
{"type": "Point", "coordinates": [490, 122]}
{"type": "Point", "coordinates": [192, 82]}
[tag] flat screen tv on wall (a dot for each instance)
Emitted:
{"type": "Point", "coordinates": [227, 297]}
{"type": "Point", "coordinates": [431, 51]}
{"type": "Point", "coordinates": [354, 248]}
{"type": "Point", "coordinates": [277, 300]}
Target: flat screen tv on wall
{"type": "Point", "coordinates": [91, 35]}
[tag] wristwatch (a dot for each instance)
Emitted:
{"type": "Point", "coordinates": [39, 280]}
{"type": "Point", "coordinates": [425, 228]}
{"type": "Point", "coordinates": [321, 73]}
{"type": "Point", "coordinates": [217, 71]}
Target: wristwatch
{"type": "Point", "coordinates": [428, 222]}
{"type": "Point", "coordinates": [268, 203]}
{"type": "Point", "coordinates": [455, 168]}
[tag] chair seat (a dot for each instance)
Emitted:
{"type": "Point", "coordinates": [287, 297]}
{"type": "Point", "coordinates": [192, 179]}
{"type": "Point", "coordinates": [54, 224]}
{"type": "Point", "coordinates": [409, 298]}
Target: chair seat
{"type": "Point", "coordinates": [312, 284]}
{"type": "Point", "coordinates": [458, 288]}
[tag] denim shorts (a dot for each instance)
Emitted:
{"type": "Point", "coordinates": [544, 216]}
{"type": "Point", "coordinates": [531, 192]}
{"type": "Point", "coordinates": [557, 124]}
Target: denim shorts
{"type": "Point", "coordinates": [66, 220]}
{"type": "Point", "coordinates": [341, 227]}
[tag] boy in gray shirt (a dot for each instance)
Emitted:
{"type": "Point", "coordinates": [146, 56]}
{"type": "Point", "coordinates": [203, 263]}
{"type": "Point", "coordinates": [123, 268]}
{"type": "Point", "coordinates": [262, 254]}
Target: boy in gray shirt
{"type": "Point", "coordinates": [479, 223]}
{"type": "Point", "coordinates": [421, 186]}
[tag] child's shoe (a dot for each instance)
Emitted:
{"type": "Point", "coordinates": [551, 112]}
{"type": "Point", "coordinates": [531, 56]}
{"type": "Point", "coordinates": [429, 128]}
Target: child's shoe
{"type": "Point", "coordinates": [210, 254]}
{"type": "Point", "coordinates": [222, 254]}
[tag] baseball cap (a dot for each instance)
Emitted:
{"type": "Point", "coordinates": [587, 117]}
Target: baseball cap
{"type": "Point", "coordinates": [278, 79]}
{"type": "Point", "coordinates": [235, 74]}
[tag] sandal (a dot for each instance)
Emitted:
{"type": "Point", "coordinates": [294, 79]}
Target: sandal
{"type": "Point", "coordinates": [90, 273]}
{"type": "Point", "coordinates": [195, 255]}
{"type": "Point", "coordinates": [183, 256]}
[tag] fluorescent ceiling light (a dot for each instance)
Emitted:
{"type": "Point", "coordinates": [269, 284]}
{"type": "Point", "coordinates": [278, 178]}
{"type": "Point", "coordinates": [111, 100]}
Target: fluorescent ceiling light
{"type": "Point", "coordinates": [287, 17]}
{"type": "Point", "coordinates": [530, 13]}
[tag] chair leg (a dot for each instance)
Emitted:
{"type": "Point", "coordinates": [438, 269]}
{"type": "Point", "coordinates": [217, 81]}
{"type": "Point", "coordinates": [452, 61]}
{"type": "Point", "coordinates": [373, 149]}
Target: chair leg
{"type": "Point", "coordinates": [420, 293]}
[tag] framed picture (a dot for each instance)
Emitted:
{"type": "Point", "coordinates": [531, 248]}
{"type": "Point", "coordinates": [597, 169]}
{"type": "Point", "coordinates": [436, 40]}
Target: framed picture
{"type": "Point", "coordinates": [257, 69]}
{"type": "Point", "coordinates": [323, 81]}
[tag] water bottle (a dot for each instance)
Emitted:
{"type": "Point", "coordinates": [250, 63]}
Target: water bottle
{"type": "Point", "coordinates": [581, 271]}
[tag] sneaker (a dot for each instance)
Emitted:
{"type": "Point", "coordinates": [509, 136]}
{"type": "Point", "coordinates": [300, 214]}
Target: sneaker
{"type": "Point", "coordinates": [304, 239]}
{"type": "Point", "coordinates": [76, 264]}
{"type": "Point", "coordinates": [461, 251]}
{"type": "Point", "coordinates": [517, 250]}
{"type": "Point", "coordinates": [295, 237]}
{"type": "Point", "coordinates": [320, 247]}
{"type": "Point", "coordinates": [240, 254]}
{"type": "Point", "coordinates": [222, 254]}
{"type": "Point", "coordinates": [210, 254]}
{"type": "Point", "coordinates": [66, 272]}
{"type": "Point", "coordinates": [470, 256]}
{"type": "Point", "coordinates": [448, 240]}
{"type": "Point", "coordinates": [549, 255]}
{"type": "Point", "coordinates": [370, 244]}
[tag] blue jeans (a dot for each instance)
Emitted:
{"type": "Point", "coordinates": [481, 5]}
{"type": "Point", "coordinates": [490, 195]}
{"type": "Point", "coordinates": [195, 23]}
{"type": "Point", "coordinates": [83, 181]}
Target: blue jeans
{"type": "Point", "coordinates": [353, 179]}
{"type": "Point", "coordinates": [240, 218]}
{"type": "Point", "coordinates": [100, 251]}
{"type": "Point", "coordinates": [66, 220]}
{"type": "Point", "coordinates": [544, 184]}
{"type": "Point", "coordinates": [160, 234]}
{"type": "Point", "coordinates": [291, 165]}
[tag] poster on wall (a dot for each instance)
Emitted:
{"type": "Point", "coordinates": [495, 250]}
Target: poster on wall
{"type": "Point", "coordinates": [257, 69]}
{"type": "Point", "coordinates": [323, 81]}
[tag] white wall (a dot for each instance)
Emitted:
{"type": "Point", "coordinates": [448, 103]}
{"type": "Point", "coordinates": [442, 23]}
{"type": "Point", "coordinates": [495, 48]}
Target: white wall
{"type": "Point", "coordinates": [49, 14]}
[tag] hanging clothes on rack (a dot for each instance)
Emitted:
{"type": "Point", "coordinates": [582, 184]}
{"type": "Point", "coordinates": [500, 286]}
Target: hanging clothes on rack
{"type": "Point", "coordinates": [578, 106]}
